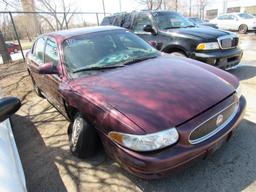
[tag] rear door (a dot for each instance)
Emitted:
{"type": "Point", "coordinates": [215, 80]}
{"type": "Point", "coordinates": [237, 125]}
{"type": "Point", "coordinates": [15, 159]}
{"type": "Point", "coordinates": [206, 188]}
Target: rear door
{"type": "Point", "coordinates": [36, 58]}
{"type": "Point", "coordinates": [233, 22]}
{"type": "Point", "coordinates": [221, 21]}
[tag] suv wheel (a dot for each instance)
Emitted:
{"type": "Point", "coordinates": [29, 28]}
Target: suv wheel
{"type": "Point", "coordinates": [179, 54]}
{"type": "Point", "coordinates": [243, 29]}
{"type": "Point", "coordinates": [83, 138]}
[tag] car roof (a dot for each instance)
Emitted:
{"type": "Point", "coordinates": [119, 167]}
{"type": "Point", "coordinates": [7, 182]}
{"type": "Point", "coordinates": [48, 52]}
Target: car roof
{"type": "Point", "coordinates": [64, 34]}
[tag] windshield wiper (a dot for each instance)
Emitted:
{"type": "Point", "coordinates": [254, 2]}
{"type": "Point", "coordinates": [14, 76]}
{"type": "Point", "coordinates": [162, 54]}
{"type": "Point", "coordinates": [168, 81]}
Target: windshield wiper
{"type": "Point", "coordinates": [97, 68]}
{"type": "Point", "coordinates": [189, 26]}
{"type": "Point", "coordinates": [171, 28]}
{"type": "Point", "coordinates": [135, 60]}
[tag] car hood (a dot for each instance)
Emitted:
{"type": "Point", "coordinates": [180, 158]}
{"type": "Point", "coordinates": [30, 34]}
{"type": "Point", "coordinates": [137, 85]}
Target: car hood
{"type": "Point", "coordinates": [156, 94]}
{"type": "Point", "coordinates": [200, 33]}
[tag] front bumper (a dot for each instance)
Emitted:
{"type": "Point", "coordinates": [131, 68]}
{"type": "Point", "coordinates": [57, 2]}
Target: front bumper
{"type": "Point", "coordinates": [220, 58]}
{"type": "Point", "coordinates": [150, 165]}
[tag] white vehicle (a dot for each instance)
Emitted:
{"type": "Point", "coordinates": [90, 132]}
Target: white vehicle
{"type": "Point", "coordinates": [241, 22]}
{"type": "Point", "coordinates": [12, 177]}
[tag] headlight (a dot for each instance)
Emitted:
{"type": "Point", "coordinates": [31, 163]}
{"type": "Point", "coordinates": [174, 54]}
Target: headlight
{"type": "Point", "coordinates": [207, 46]}
{"type": "Point", "coordinates": [239, 91]}
{"type": "Point", "coordinates": [148, 142]}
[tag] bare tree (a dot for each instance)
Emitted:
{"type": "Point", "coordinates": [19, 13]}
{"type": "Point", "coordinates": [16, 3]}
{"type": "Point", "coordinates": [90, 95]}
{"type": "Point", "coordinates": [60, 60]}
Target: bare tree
{"type": "Point", "coordinates": [61, 21]}
{"type": "Point", "coordinates": [202, 4]}
{"type": "Point", "coordinates": [10, 4]}
{"type": "Point", "coordinates": [151, 4]}
{"type": "Point", "coordinates": [3, 50]}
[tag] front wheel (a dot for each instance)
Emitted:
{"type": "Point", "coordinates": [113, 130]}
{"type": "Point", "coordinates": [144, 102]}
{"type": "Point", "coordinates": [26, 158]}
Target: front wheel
{"type": "Point", "coordinates": [243, 29]}
{"type": "Point", "coordinates": [83, 138]}
{"type": "Point", "coordinates": [179, 54]}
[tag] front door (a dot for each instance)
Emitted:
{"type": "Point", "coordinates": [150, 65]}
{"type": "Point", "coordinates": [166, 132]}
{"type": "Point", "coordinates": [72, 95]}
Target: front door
{"type": "Point", "coordinates": [141, 20]}
{"type": "Point", "coordinates": [52, 92]}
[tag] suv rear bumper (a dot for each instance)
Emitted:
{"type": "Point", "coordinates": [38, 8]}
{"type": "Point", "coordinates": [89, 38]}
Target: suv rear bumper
{"type": "Point", "coordinates": [221, 58]}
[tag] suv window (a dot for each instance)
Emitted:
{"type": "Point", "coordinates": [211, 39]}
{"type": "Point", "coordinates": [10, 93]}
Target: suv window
{"type": "Point", "coordinates": [38, 50]}
{"type": "Point", "coordinates": [142, 20]}
{"type": "Point", "coordinates": [51, 54]}
{"type": "Point", "coordinates": [107, 20]}
{"type": "Point", "coordinates": [118, 20]}
{"type": "Point", "coordinates": [127, 21]}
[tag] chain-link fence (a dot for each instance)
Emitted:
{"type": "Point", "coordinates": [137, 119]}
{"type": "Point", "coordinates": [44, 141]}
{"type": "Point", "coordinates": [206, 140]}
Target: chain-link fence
{"type": "Point", "coordinates": [19, 29]}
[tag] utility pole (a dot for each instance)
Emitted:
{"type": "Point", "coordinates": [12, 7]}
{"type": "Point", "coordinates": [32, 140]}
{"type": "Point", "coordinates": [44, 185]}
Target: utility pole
{"type": "Point", "coordinates": [120, 6]}
{"type": "Point", "coordinates": [103, 4]}
{"type": "Point", "coordinates": [190, 7]}
{"type": "Point", "coordinates": [176, 5]}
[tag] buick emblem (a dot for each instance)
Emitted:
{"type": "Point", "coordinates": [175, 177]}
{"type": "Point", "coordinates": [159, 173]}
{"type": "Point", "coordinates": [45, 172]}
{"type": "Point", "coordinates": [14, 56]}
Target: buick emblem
{"type": "Point", "coordinates": [219, 120]}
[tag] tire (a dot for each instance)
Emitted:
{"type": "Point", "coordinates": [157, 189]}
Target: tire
{"type": "Point", "coordinates": [243, 29]}
{"type": "Point", "coordinates": [179, 54]}
{"type": "Point", "coordinates": [83, 138]}
{"type": "Point", "coordinates": [37, 90]}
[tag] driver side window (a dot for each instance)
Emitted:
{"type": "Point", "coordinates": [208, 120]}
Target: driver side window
{"type": "Point", "coordinates": [51, 54]}
{"type": "Point", "coordinates": [141, 21]}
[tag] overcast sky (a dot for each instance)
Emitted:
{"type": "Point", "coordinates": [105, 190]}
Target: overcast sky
{"type": "Point", "coordinates": [111, 6]}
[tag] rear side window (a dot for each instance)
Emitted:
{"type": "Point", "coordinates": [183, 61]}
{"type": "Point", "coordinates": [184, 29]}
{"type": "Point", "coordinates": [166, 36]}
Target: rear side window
{"type": "Point", "coordinates": [127, 20]}
{"type": "Point", "coordinates": [118, 20]}
{"type": "Point", "coordinates": [107, 21]}
{"type": "Point", "coordinates": [51, 54]}
{"type": "Point", "coordinates": [141, 21]}
{"type": "Point", "coordinates": [38, 51]}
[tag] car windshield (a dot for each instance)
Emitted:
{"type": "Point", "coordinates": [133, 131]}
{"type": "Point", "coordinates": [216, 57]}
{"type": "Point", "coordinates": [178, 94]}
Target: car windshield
{"type": "Point", "coordinates": [196, 20]}
{"type": "Point", "coordinates": [170, 20]}
{"type": "Point", "coordinates": [103, 50]}
{"type": "Point", "coordinates": [245, 16]}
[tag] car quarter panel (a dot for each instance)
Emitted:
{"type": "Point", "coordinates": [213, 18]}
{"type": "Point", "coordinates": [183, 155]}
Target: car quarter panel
{"type": "Point", "coordinates": [99, 113]}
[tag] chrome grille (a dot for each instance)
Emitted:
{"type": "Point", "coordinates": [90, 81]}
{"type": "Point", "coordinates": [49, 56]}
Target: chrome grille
{"type": "Point", "coordinates": [209, 127]}
{"type": "Point", "coordinates": [228, 41]}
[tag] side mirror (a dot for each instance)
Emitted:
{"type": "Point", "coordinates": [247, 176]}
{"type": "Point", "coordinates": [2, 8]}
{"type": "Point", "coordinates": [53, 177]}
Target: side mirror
{"type": "Point", "coordinates": [47, 68]}
{"type": "Point", "coordinates": [8, 106]}
{"type": "Point", "coordinates": [149, 28]}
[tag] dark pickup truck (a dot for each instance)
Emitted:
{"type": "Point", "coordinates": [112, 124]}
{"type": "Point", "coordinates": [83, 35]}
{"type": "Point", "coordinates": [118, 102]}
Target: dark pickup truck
{"type": "Point", "coordinates": [172, 33]}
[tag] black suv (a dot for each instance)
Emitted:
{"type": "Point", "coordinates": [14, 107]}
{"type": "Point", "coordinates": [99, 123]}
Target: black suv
{"type": "Point", "coordinates": [172, 33]}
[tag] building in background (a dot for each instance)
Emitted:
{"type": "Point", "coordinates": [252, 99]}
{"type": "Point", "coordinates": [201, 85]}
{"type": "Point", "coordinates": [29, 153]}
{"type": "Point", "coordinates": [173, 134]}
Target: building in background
{"type": "Point", "coordinates": [218, 7]}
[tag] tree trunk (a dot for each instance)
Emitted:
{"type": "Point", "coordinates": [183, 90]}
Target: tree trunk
{"type": "Point", "coordinates": [3, 50]}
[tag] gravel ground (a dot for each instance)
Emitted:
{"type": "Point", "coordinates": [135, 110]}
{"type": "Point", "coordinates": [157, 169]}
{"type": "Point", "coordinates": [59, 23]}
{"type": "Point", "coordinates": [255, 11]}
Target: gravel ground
{"type": "Point", "coordinates": [40, 133]}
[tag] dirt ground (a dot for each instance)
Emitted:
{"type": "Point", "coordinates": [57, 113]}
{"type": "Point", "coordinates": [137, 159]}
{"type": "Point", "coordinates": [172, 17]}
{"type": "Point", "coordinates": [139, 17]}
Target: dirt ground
{"type": "Point", "coordinates": [41, 136]}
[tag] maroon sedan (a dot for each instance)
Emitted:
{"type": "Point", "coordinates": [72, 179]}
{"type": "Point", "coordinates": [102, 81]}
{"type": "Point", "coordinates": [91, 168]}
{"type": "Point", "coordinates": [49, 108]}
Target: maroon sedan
{"type": "Point", "coordinates": [12, 48]}
{"type": "Point", "coordinates": [153, 113]}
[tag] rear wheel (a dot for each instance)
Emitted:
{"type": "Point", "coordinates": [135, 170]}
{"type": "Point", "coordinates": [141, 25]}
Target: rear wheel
{"type": "Point", "coordinates": [243, 29]}
{"type": "Point", "coordinates": [83, 138]}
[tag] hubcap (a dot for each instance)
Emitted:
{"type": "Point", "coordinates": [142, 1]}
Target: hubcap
{"type": "Point", "coordinates": [77, 126]}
